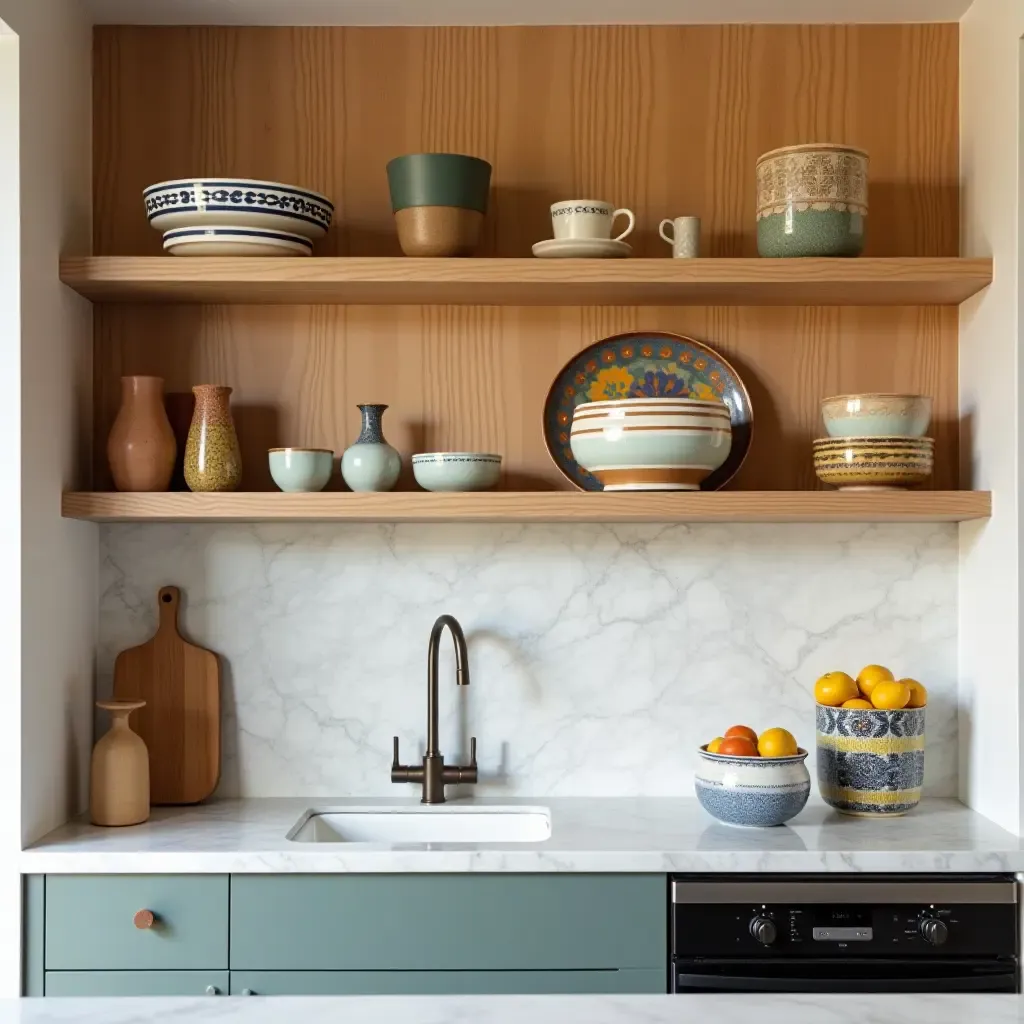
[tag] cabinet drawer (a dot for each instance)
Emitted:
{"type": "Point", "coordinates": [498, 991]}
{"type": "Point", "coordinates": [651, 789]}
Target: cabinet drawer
{"type": "Point", "coordinates": [136, 983]}
{"type": "Point", "coordinates": [448, 922]}
{"type": "Point", "coordinates": [444, 983]}
{"type": "Point", "coordinates": [90, 922]}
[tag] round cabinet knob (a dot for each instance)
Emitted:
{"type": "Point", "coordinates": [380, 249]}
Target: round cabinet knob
{"type": "Point", "coordinates": [248, 992]}
{"type": "Point", "coordinates": [764, 931]}
{"type": "Point", "coordinates": [144, 919]}
{"type": "Point", "coordinates": [212, 990]}
{"type": "Point", "coordinates": [934, 931]}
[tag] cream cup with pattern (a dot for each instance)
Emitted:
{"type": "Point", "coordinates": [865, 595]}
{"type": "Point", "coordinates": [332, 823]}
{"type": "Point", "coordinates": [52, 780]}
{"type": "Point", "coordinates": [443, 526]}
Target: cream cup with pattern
{"type": "Point", "coordinates": [301, 469]}
{"type": "Point", "coordinates": [588, 218]}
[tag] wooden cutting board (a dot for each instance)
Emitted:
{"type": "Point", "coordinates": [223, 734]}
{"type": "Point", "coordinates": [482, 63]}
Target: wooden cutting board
{"type": "Point", "coordinates": [180, 723]}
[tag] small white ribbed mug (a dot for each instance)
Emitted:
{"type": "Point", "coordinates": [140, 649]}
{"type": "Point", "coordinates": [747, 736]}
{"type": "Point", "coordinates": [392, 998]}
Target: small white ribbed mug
{"type": "Point", "coordinates": [685, 236]}
{"type": "Point", "coordinates": [587, 218]}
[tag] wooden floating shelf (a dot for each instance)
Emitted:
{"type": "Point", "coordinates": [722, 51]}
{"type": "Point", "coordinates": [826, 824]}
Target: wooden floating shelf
{"type": "Point", "coordinates": [867, 281]}
{"type": "Point", "coordinates": [535, 506]}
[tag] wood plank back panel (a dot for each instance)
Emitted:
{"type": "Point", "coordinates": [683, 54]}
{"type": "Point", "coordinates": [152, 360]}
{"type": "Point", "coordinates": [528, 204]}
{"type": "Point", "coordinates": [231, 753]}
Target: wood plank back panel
{"type": "Point", "coordinates": [665, 120]}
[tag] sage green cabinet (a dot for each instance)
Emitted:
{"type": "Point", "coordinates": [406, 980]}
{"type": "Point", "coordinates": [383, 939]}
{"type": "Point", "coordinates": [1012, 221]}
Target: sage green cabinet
{"type": "Point", "coordinates": [90, 922]}
{"type": "Point", "coordinates": [448, 922]}
{"type": "Point", "coordinates": [137, 983]}
{"type": "Point", "coordinates": [445, 983]}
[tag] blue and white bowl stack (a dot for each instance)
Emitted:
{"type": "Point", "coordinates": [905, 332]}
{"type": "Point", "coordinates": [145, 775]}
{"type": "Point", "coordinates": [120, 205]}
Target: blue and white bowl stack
{"type": "Point", "coordinates": [755, 792]}
{"type": "Point", "coordinates": [236, 217]}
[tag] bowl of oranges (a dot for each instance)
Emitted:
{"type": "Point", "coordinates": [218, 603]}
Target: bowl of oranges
{"type": "Point", "coordinates": [750, 780]}
{"type": "Point", "coordinates": [870, 733]}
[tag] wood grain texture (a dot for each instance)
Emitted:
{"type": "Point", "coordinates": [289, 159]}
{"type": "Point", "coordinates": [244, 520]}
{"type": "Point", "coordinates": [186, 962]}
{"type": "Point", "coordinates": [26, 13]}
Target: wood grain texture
{"type": "Point", "coordinates": [546, 507]}
{"type": "Point", "coordinates": [475, 378]}
{"type": "Point", "coordinates": [180, 722]}
{"type": "Point", "coordinates": [869, 281]}
{"type": "Point", "coordinates": [665, 120]}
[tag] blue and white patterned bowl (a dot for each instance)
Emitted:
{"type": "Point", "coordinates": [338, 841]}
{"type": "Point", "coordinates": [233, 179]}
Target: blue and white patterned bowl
{"type": "Point", "coordinates": [756, 792]}
{"type": "Point", "coordinates": [237, 202]}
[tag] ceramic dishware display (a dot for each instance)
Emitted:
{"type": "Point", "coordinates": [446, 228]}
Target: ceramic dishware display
{"type": "Point", "coordinates": [588, 218]}
{"type": "Point", "coordinates": [237, 203]}
{"type": "Point", "coordinates": [876, 415]}
{"type": "Point", "coordinates": [870, 762]}
{"type": "Point", "coordinates": [301, 469]}
{"type": "Point", "coordinates": [812, 200]}
{"type": "Point", "coordinates": [873, 463]}
{"type": "Point", "coordinates": [370, 463]}
{"type": "Point", "coordinates": [456, 471]}
{"type": "Point", "coordinates": [141, 447]}
{"type": "Point", "coordinates": [645, 365]}
{"type": "Point", "coordinates": [755, 792]}
{"type": "Point", "coordinates": [213, 461]}
{"type": "Point", "coordinates": [683, 234]}
{"type": "Point", "coordinates": [119, 775]}
{"type": "Point", "coordinates": [228, 241]}
{"type": "Point", "coordinates": [651, 444]}
{"type": "Point", "coordinates": [439, 201]}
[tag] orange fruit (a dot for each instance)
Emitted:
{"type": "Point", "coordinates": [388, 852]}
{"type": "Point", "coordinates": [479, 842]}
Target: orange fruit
{"type": "Point", "coordinates": [918, 694]}
{"type": "Point", "coordinates": [738, 746]}
{"type": "Point", "coordinates": [870, 676]}
{"type": "Point", "coordinates": [741, 730]}
{"type": "Point", "coordinates": [835, 687]}
{"type": "Point", "coordinates": [859, 702]}
{"type": "Point", "coordinates": [890, 696]}
{"type": "Point", "coordinates": [776, 743]}
{"type": "Point", "coordinates": [715, 744]}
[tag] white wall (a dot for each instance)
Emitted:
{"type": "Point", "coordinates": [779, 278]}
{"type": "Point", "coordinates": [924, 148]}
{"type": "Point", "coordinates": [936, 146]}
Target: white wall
{"type": "Point", "coordinates": [43, 750]}
{"type": "Point", "coordinates": [991, 707]}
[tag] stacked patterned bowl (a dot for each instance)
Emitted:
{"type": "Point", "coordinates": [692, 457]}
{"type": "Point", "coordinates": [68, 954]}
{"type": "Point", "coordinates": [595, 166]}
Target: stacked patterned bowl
{"type": "Point", "coordinates": [651, 444]}
{"type": "Point", "coordinates": [875, 442]}
{"type": "Point", "coordinates": [236, 217]}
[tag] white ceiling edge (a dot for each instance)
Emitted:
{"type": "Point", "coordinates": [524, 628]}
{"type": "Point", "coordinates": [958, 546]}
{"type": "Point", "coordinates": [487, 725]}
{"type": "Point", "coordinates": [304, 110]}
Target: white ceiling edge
{"type": "Point", "coordinates": [520, 12]}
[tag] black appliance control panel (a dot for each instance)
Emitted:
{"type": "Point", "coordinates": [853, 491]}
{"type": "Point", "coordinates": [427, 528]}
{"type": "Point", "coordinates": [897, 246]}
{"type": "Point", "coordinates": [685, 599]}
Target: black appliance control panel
{"type": "Point", "coordinates": [711, 919]}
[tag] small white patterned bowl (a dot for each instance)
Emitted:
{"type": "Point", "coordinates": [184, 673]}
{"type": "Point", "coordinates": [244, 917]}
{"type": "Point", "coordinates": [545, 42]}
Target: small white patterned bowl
{"type": "Point", "coordinates": [237, 202]}
{"type": "Point", "coordinates": [876, 415]}
{"type": "Point", "coordinates": [456, 471]}
{"type": "Point", "coordinates": [753, 792]}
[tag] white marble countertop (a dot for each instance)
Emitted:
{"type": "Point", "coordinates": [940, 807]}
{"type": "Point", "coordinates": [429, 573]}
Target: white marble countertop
{"type": "Point", "coordinates": [614, 835]}
{"type": "Point", "coordinates": [722, 1009]}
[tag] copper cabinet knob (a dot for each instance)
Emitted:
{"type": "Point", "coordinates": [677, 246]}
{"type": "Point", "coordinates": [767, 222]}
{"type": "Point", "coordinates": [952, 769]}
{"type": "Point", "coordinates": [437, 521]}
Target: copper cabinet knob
{"type": "Point", "coordinates": [144, 919]}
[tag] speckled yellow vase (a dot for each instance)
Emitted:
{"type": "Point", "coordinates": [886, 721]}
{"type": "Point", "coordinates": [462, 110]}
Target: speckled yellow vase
{"type": "Point", "coordinates": [213, 461]}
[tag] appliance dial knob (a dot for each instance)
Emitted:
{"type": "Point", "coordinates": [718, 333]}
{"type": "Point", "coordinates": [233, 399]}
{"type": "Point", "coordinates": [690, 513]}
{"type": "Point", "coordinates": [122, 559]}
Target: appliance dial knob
{"type": "Point", "coordinates": [934, 931]}
{"type": "Point", "coordinates": [764, 931]}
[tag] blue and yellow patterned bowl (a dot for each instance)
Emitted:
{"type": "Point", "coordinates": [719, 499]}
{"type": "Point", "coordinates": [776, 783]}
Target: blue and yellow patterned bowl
{"type": "Point", "coordinates": [870, 763]}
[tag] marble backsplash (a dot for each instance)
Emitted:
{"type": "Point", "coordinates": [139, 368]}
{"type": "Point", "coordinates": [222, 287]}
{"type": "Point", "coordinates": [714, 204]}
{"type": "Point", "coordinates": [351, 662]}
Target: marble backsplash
{"type": "Point", "coordinates": [601, 655]}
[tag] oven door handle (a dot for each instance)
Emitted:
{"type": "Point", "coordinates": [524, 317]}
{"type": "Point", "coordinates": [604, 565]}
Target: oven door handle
{"type": "Point", "coordinates": [752, 983]}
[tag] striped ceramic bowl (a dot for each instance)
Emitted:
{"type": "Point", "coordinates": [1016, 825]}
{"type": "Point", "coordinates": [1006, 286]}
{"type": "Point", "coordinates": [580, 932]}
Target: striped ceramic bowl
{"type": "Point", "coordinates": [870, 763]}
{"type": "Point", "coordinates": [651, 444]}
{"type": "Point", "coordinates": [755, 792]}
{"type": "Point", "coordinates": [873, 463]}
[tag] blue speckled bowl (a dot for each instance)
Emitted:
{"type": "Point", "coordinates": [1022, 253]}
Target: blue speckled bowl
{"type": "Point", "coordinates": [755, 792]}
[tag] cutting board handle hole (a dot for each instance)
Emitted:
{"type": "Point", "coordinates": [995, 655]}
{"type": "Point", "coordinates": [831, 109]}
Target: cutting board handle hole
{"type": "Point", "coordinates": [166, 599]}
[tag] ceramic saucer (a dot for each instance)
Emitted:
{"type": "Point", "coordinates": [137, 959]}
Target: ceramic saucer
{"type": "Point", "coordinates": [582, 248]}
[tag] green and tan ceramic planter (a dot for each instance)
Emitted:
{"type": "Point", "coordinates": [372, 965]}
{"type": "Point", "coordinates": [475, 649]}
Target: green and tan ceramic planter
{"type": "Point", "coordinates": [439, 201]}
{"type": "Point", "coordinates": [812, 200]}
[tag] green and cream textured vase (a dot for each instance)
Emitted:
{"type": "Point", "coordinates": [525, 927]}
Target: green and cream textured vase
{"type": "Point", "coordinates": [213, 461]}
{"type": "Point", "coordinates": [812, 200]}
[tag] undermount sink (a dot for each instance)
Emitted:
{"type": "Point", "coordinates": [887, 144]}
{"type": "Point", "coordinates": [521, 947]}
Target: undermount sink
{"type": "Point", "coordinates": [424, 824]}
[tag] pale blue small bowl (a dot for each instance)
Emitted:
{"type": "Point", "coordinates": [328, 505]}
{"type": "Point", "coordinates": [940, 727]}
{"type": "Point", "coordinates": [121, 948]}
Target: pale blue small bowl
{"type": "Point", "coordinates": [301, 469]}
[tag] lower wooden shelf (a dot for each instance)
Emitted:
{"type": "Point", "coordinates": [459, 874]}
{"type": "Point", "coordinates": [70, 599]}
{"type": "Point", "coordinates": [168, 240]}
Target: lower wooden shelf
{"type": "Point", "coordinates": [535, 506]}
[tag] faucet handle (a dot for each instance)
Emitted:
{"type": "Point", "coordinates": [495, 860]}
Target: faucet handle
{"type": "Point", "coordinates": [472, 751]}
{"type": "Point", "coordinates": [395, 763]}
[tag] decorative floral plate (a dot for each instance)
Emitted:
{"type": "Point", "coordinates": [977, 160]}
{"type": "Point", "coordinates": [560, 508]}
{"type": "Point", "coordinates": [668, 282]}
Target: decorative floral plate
{"type": "Point", "coordinates": [647, 364]}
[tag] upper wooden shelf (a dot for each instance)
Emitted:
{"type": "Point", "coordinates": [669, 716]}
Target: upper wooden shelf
{"type": "Point", "coordinates": [536, 506]}
{"type": "Point", "coordinates": [867, 281]}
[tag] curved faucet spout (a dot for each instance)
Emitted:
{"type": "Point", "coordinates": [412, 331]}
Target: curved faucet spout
{"type": "Point", "coordinates": [461, 671]}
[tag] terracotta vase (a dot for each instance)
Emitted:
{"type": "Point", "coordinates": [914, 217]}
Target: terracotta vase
{"type": "Point", "coordinates": [119, 781]}
{"type": "Point", "coordinates": [212, 459]}
{"type": "Point", "coordinates": [141, 446]}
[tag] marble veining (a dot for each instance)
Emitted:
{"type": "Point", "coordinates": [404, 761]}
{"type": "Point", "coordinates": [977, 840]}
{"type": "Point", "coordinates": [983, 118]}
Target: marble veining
{"type": "Point", "coordinates": [618, 834]}
{"type": "Point", "coordinates": [723, 1009]}
{"type": "Point", "coordinates": [601, 655]}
